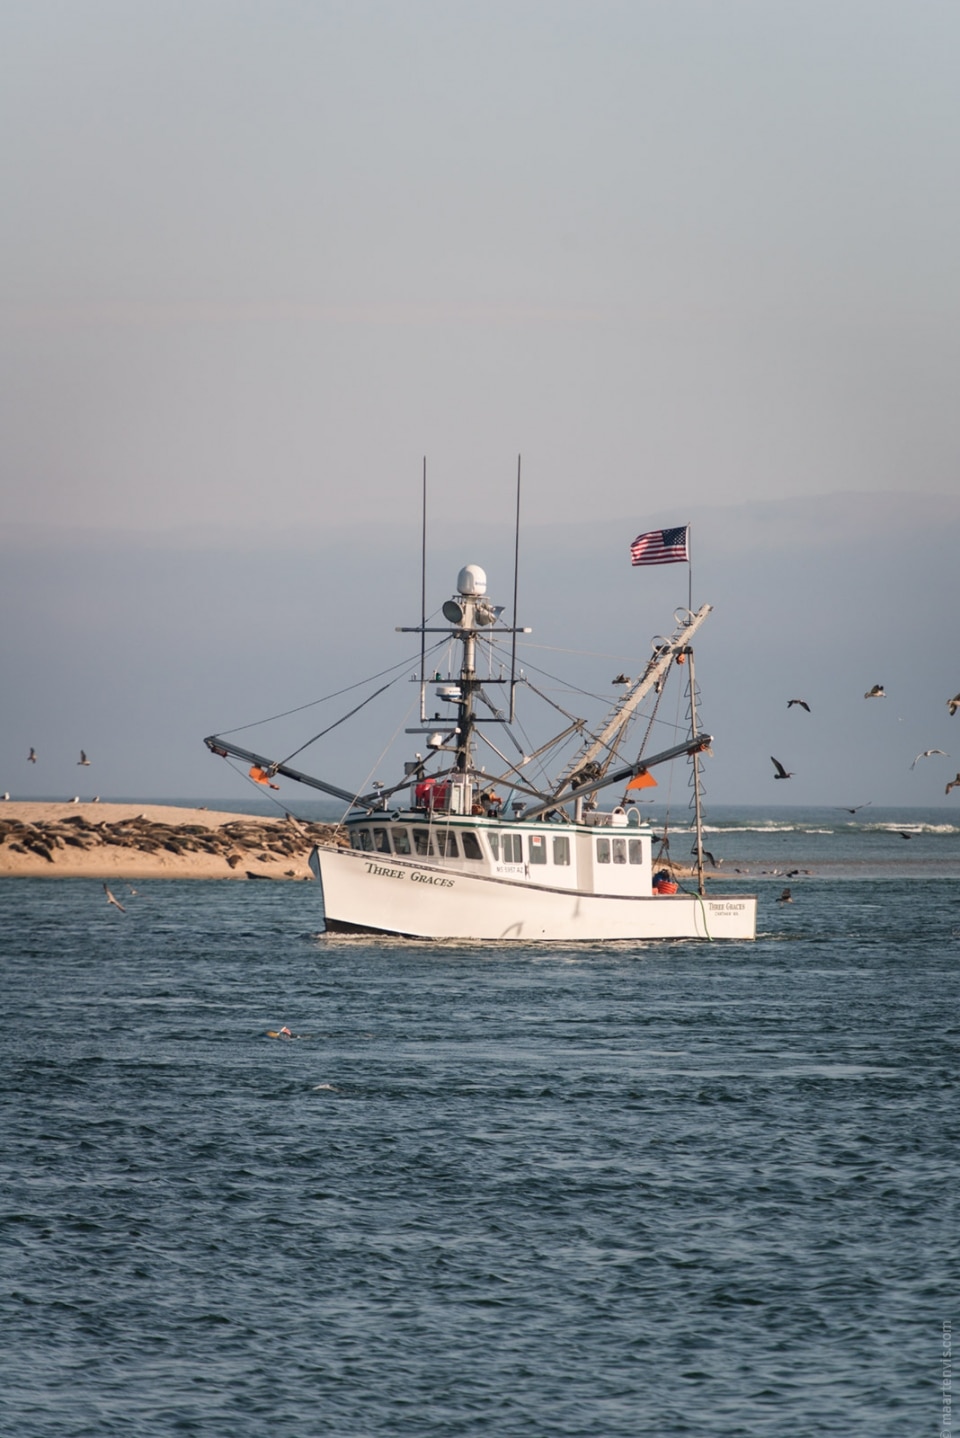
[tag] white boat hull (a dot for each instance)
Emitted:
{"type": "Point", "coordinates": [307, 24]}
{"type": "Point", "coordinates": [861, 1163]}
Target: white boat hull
{"type": "Point", "coordinates": [364, 893]}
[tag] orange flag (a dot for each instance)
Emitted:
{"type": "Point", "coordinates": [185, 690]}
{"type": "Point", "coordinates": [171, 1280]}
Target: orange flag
{"type": "Point", "coordinates": [643, 780]}
{"type": "Point", "coordinates": [259, 776]}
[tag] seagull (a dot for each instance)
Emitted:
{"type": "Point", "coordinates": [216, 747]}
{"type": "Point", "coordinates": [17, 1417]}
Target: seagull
{"type": "Point", "coordinates": [877, 692]}
{"type": "Point", "coordinates": [953, 784]}
{"type": "Point", "coordinates": [904, 835]}
{"type": "Point", "coordinates": [32, 756]}
{"type": "Point", "coordinates": [620, 679]}
{"type": "Point", "coordinates": [786, 897]}
{"type": "Point", "coordinates": [802, 702]}
{"type": "Point", "coordinates": [781, 771]}
{"type": "Point", "coordinates": [83, 759]}
{"type": "Point", "coordinates": [926, 755]}
{"type": "Point", "coordinates": [112, 900]}
{"type": "Point", "coordinates": [843, 809]}
{"type": "Point", "coordinates": [954, 704]}
{"type": "Point", "coordinates": [715, 863]}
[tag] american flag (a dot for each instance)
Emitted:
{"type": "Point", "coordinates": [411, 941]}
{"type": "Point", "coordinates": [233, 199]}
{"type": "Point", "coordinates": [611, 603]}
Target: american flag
{"type": "Point", "coordinates": [660, 546]}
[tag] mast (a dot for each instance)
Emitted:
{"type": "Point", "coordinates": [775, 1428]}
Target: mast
{"type": "Point", "coordinates": [695, 756]}
{"type": "Point", "coordinates": [423, 599]}
{"type": "Point", "coordinates": [469, 612]}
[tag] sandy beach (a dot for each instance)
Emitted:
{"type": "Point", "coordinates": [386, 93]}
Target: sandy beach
{"type": "Point", "coordinates": [152, 841]}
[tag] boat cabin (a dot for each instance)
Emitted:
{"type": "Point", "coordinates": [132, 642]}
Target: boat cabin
{"type": "Point", "coordinates": [605, 854]}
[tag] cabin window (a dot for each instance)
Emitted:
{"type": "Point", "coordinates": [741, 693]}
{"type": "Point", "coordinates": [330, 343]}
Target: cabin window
{"type": "Point", "coordinates": [619, 851]}
{"type": "Point", "coordinates": [561, 849]}
{"type": "Point", "coordinates": [635, 847]}
{"type": "Point", "coordinates": [366, 840]}
{"type": "Point", "coordinates": [512, 847]}
{"type": "Point", "coordinates": [471, 845]}
{"type": "Point", "coordinates": [421, 841]}
{"type": "Point", "coordinates": [381, 841]}
{"type": "Point", "coordinates": [355, 840]}
{"type": "Point", "coordinates": [538, 849]}
{"type": "Point", "coordinates": [603, 851]}
{"type": "Point", "coordinates": [401, 841]}
{"type": "Point", "coordinates": [447, 844]}
{"type": "Point", "coordinates": [494, 842]}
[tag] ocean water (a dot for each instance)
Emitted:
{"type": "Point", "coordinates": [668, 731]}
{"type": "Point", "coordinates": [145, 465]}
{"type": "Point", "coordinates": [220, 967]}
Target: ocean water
{"type": "Point", "coordinates": [704, 1189]}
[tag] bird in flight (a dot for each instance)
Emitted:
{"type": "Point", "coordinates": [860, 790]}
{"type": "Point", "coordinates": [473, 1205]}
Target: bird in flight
{"type": "Point", "coordinates": [781, 771]}
{"type": "Point", "coordinates": [83, 759]}
{"type": "Point", "coordinates": [926, 755]}
{"type": "Point", "coordinates": [877, 692]}
{"type": "Point", "coordinates": [954, 704]}
{"type": "Point", "coordinates": [844, 809]}
{"type": "Point", "coordinates": [802, 702]}
{"type": "Point", "coordinates": [786, 897]}
{"type": "Point", "coordinates": [620, 679]}
{"type": "Point", "coordinates": [715, 863]}
{"type": "Point", "coordinates": [904, 835]}
{"type": "Point", "coordinates": [32, 756]}
{"type": "Point", "coordinates": [954, 783]}
{"type": "Point", "coordinates": [112, 900]}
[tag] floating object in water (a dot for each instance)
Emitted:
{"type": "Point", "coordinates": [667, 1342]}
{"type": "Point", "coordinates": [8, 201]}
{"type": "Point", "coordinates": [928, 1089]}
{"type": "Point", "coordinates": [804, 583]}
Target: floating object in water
{"type": "Point", "coordinates": [786, 897]}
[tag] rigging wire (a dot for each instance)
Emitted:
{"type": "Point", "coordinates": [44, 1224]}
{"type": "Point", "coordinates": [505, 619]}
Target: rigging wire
{"type": "Point", "coordinates": [368, 780]}
{"type": "Point", "coordinates": [403, 663]}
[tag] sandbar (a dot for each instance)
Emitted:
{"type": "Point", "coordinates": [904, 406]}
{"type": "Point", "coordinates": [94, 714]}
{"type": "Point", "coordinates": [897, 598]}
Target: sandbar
{"type": "Point", "coordinates": [152, 841]}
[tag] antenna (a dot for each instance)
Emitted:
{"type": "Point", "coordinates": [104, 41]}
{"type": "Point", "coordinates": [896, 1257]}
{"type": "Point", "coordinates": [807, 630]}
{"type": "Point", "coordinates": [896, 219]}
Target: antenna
{"type": "Point", "coordinates": [516, 571]}
{"type": "Point", "coordinates": [423, 599]}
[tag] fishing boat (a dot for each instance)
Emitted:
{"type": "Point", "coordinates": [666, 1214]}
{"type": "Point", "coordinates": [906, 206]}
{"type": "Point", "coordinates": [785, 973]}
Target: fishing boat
{"type": "Point", "coordinates": [469, 844]}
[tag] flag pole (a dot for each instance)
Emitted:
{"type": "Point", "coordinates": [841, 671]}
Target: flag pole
{"type": "Point", "coordinates": [689, 572]}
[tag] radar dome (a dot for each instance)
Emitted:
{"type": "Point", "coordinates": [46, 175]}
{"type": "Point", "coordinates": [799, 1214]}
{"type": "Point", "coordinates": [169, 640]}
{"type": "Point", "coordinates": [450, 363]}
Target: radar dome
{"type": "Point", "coordinates": [472, 580]}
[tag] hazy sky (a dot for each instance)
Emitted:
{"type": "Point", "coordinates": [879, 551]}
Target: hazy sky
{"type": "Point", "coordinates": [259, 259]}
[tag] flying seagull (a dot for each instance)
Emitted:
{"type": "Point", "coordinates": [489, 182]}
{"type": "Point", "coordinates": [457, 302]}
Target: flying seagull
{"type": "Point", "coordinates": [715, 863]}
{"type": "Point", "coordinates": [904, 835]}
{"type": "Point", "coordinates": [954, 783]}
{"type": "Point", "coordinates": [32, 756]}
{"type": "Point", "coordinates": [844, 809]}
{"type": "Point", "coordinates": [786, 897]}
{"type": "Point", "coordinates": [954, 704]}
{"type": "Point", "coordinates": [112, 900]}
{"type": "Point", "coordinates": [781, 771]}
{"type": "Point", "coordinates": [926, 755]}
{"type": "Point", "coordinates": [802, 702]}
{"type": "Point", "coordinates": [620, 679]}
{"type": "Point", "coordinates": [83, 759]}
{"type": "Point", "coordinates": [877, 692]}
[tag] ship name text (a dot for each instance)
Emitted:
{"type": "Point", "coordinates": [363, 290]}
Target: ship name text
{"type": "Point", "coordinates": [384, 871]}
